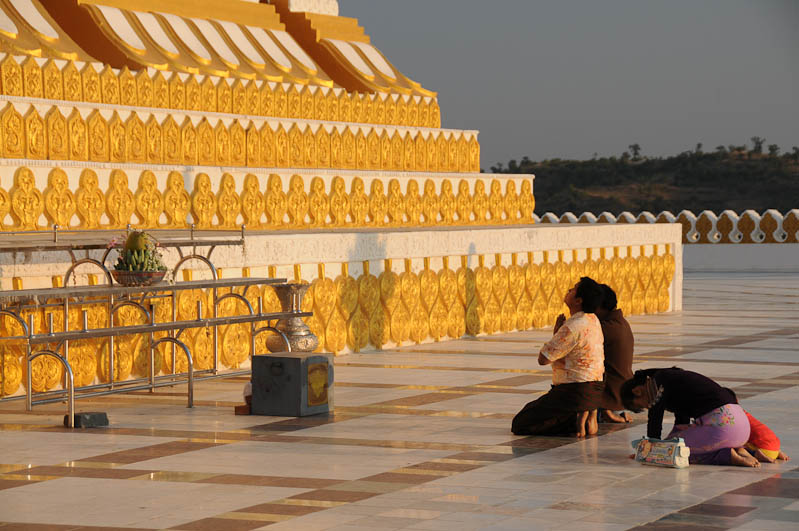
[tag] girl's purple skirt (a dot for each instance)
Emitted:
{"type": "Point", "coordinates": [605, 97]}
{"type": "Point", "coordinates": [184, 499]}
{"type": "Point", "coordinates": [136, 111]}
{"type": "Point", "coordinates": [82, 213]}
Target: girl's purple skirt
{"type": "Point", "coordinates": [711, 436]}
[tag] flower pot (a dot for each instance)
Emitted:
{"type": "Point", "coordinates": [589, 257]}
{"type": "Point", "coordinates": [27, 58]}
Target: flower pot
{"type": "Point", "coordinates": [137, 278]}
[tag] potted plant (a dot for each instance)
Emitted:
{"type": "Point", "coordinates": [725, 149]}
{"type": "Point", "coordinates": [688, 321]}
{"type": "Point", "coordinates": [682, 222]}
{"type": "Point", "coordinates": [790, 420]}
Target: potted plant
{"type": "Point", "coordinates": [139, 262]}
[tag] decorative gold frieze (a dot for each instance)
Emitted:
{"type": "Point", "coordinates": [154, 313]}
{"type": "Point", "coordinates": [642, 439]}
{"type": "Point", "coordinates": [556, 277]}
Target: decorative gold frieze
{"type": "Point", "coordinates": [309, 202]}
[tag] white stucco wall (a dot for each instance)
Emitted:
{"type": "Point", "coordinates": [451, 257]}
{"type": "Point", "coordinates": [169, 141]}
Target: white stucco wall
{"type": "Point", "coordinates": [757, 257]}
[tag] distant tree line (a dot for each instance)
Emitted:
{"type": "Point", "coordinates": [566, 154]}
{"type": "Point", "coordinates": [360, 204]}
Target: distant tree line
{"type": "Point", "coordinates": [735, 177]}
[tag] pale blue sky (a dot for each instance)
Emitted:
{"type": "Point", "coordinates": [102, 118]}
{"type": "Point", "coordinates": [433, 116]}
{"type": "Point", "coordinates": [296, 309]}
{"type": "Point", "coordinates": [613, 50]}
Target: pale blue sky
{"type": "Point", "coordinates": [568, 78]}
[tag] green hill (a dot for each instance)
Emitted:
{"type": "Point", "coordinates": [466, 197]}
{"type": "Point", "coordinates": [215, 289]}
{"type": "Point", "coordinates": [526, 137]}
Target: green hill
{"type": "Point", "coordinates": [730, 178]}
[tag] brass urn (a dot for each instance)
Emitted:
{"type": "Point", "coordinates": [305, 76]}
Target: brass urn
{"type": "Point", "coordinates": [299, 336]}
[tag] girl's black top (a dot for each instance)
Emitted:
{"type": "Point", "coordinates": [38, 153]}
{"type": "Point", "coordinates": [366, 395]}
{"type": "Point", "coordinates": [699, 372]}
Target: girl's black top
{"type": "Point", "coordinates": [687, 394]}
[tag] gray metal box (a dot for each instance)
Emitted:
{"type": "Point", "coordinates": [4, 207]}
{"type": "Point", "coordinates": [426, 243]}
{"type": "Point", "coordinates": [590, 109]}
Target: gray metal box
{"type": "Point", "coordinates": [292, 384]}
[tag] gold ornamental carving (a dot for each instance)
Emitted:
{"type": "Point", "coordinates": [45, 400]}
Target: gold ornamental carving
{"type": "Point", "coordinates": [57, 135]}
{"type": "Point", "coordinates": [149, 203]}
{"type": "Point", "coordinates": [346, 293]}
{"type": "Point", "coordinates": [109, 86]}
{"type": "Point", "coordinates": [396, 204]}
{"type": "Point", "coordinates": [526, 202]}
{"type": "Point", "coordinates": [177, 93]}
{"type": "Point", "coordinates": [308, 149]}
{"type": "Point", "coordinates": [413, 203]}
{"type": "Point", "coordinates": [189, 142]}
{"type": "Point", "coordinates": [318, 204]}
{"type": "Point", "coordinates": [91, 84]}
{"type": "Point", "coordinates": [117, 142]}
{"type": "Point", "coordinates": [378, 205]}
{"type": "Point", "coordinates": [238, 145]}
{"type": "Point", "coordinates": [5, 206]}
{"type": "Point", "coordinates": [11, 73]}
{"type": "Point", "coordinates": [222, 145]}
{"type": "Point", "coordinates": [447, 204]}
{"type": "Point", "coordinates": [127, 88]}
{"type": "Point", "coordinates": [27, 203]}
{"type": "Point", "coordinates": [253, 146]}
{"type": "Point", "coordinates": [171, 139]}
{"type": "Point", "coordinates": [239, 101]}
{"type": "Point", "coordinates": [339, 202]}
{"type": "Point", "coordinates": [390, 288]}
{"type": "Point", "coordinates": [281, 146]}
{"type": "Point", "coordinates": [511, 203]}
{"type": "Point", "coordinates": [98, 142]}
{"type": "Point", "coordinates": [480, 203]}
{"type": "Point", "coordinates": [463, 203]}
{"type": "Point", "coordinates": [268, 141]}
{"type": "Point", "coordinates": [154, 144]}
{"type": "Point", "coordinates": [203, 202]}
{"type": "Point", "coordinates": [297, 202]}
{"type": "Point", "coordinates": [447, 285]}
{"type": "Point", "coordinates": [206, 144]}
{"type": "Point", "coordinates": [120, 202]}
{"type": "Point", "coordinates": [53, 81]}
{"type": "Point", "coordinates": [228, 203]}
{"type": "Point", "coordinates": [496, 203]}
{"type": "Point", "coordinates": [359, 203]}
{"type": "Point", "coordinates": [177, 201]}
{"type": "Point", "coordinates": [276, 201]}
{"type": "Point", "coordinates": [90, 200]}
{"type": "Point", "coordinates": [193, 95]}
{"type": "Point", "coordinates": [144, 89]}
{"type": "Point", "coordinates": [35, 136]}
{"type": "Point", "coordinates": [430, 203]}
{"type": "Point", "coordinates": [136, 138]}
{"type": "Point", "coordinates": [13, 133]}
{"type": "Point", "coordinates": [73, 84]}
{"type": "Point", "coordinates": [252, 202]}
{"type": "Point", "coordinates": [161, 91]}
{"type": "Point", "coordinates": [59, 201]}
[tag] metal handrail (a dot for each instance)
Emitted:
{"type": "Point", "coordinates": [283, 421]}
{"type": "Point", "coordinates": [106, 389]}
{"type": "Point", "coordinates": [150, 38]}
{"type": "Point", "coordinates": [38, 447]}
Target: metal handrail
{"type": "Point", "coordinates": [94, 333]}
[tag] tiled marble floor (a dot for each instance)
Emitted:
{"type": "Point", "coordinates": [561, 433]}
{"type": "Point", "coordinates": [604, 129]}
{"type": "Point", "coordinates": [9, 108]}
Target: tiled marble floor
{"type": "Point", "coordinates": [420, 440]}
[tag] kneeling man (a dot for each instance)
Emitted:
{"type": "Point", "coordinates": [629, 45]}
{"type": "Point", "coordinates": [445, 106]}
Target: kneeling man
{"type": "Point", "coordinates": [577, 358]}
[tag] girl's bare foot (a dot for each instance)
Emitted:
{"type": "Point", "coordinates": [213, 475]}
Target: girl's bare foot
{"type": "Point", "coordinates": [611, 416]}
{"type": "Point", "coordinates": [582, 419]}
{"type": "Point", "coordinates": [763, 458]}
{"type": "Point", "coordinates": [740, 457]}
{"type": "Point", "coordinates": [783, 457]}
{"type": "Point", "coordinates": [591, 425]}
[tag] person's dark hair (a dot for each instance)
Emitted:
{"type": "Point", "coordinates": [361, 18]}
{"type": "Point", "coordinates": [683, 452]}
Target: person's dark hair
{"type": "Point", "coordinates": [591, 294]}
{"type": "Point", "coordinates": [627, 396]}
{"type": "Point", "coordinates": [609, 300]}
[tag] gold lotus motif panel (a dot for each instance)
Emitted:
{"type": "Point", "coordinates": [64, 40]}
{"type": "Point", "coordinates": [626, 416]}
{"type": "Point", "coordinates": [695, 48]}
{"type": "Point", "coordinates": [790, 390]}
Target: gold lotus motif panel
{"type": "Point", "coordinates": [61, 132]}
{"type": "Point", "coordinates": [259, 201]}
{"type": "Point", "coordinates": [400, 305]}
{"type": "Point", "coordinates": [97, 83]}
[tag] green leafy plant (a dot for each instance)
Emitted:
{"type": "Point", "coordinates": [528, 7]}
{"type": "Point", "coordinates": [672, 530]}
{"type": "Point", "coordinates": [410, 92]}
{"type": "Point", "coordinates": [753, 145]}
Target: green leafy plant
{"type": "Point", "coordinates": [140, 252]}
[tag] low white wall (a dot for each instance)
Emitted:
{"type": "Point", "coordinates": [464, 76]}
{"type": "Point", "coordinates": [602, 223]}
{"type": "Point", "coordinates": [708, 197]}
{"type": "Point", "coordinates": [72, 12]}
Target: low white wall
{"type": "Point", "coordinates": [756, 257]}
{"type": "Point", "coordinates": [311, 247]}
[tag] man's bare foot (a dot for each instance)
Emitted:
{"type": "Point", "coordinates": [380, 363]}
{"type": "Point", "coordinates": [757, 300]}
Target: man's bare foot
{"type": "Point", "coordinates": [783, 457]}
{"type": "Point", "coordinates": [591, 424]}
{"type": "Point", "coordinates": [582, 419]}
{"type": "Point", "coordinates": [740, 457]}
{"type": "Point", "coordinates": [611, 416]}
{"type": "Point", "coordinates": [763, 458]}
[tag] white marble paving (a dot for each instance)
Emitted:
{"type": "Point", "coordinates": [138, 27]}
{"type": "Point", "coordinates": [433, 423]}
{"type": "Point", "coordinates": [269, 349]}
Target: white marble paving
{"type": "Point", "coordinates": [589, 484]}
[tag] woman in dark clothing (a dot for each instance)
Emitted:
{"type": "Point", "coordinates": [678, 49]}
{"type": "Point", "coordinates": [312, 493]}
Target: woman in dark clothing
{"type": "Point", "coordinates": [619, 343]}
{"type": "Point", "coordinates": [706, 415]}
